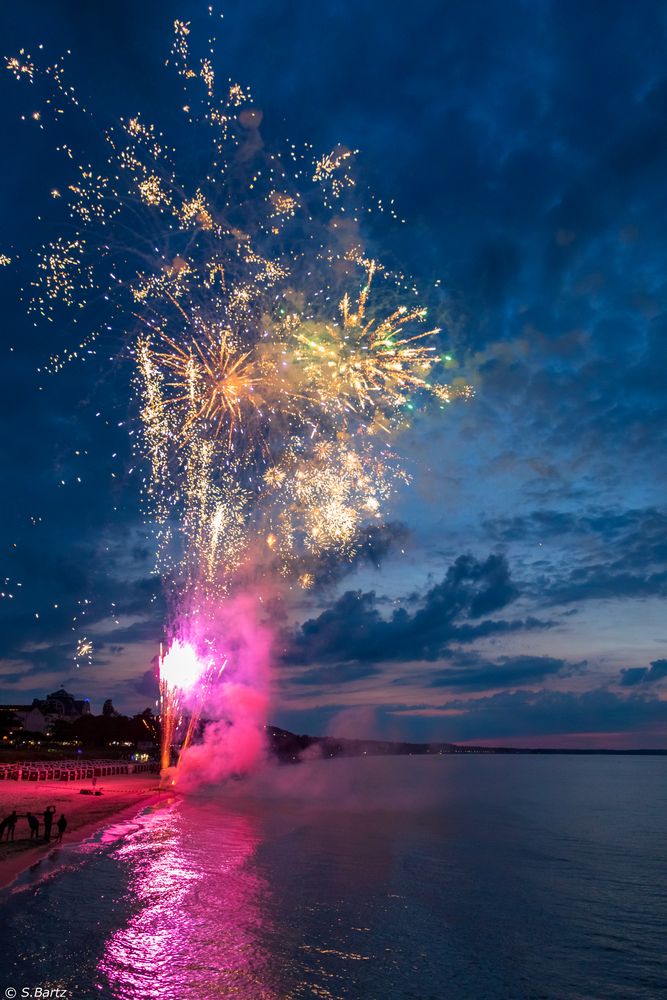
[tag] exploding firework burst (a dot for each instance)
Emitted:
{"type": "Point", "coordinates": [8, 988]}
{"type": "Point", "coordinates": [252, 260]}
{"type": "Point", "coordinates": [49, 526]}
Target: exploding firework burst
{"type": "Point", "coordinates": [214, 381]}
{"type": "Point", "coordinates": [269, 372]}
{"type": "Point", "coordinates": [84, 651]}
{"type": "Point", "coordinates": [366, 364]}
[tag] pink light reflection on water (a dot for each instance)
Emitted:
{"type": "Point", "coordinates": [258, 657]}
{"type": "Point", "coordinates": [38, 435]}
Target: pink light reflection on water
{"type": "Point", "coordinates": [200, 918]}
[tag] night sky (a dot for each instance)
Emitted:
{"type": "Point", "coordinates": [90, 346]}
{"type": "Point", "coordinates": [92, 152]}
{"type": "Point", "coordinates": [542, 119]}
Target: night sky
{"type": "Point", "coordinates": [520, 595]}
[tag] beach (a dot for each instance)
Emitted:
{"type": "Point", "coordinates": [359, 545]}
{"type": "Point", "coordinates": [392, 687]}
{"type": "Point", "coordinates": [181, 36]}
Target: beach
{"type": "Point", "coordinates": [84, 813]}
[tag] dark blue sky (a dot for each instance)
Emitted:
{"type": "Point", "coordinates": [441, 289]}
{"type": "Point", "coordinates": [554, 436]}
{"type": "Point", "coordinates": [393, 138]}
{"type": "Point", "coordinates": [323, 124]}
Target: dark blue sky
{"type": "Point", "coordinates": [526, 146]}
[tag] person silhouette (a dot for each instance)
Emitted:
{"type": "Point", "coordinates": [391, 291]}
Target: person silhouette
{"type": "Point", "coordinates": [48, 821]}
{"type": "Point", "coordinates": [33, 823]}
{"type": "Point", "coordinates": [62, 826]}
{"type": "Point", "coordinates": [9, 824]}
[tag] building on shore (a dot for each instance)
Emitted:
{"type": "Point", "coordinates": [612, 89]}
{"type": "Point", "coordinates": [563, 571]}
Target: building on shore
{"type": "Point", "coordinates": [60, 706]}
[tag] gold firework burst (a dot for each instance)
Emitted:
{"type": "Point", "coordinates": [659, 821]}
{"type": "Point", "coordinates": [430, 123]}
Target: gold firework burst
{"type": "Point", "coordinates": [364, 363]}
{"type": "Point", "coordinates": [211, 380]}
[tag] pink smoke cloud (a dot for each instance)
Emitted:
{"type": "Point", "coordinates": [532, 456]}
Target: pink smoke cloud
{"type": "Point", "coordinates": [236, 705]}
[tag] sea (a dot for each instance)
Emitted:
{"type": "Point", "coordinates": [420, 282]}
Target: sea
{"type": "Point", "coordinates": [454, 877]}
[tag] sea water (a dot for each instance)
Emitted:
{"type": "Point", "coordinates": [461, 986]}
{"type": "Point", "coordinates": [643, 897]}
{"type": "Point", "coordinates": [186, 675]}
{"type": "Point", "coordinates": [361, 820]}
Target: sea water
{"type": "Point", "coordinates": [452, 877]}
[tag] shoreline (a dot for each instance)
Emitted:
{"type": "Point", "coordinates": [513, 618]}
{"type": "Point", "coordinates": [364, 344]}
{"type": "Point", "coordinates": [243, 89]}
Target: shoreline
{"type": "Point", "coordinates": [86, 814]}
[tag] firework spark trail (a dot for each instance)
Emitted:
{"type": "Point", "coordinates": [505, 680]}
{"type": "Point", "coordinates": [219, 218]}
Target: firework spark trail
{"type": "Point", "coordinates": [269, 373]}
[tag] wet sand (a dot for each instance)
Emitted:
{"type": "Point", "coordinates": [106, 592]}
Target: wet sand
{"type": "Point", "coordinates": [84, 813]}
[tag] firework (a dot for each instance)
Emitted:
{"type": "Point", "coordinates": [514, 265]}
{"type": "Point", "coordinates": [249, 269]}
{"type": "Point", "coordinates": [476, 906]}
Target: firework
{"type": "Point", "coordinates": [273, 361]}
{"type": "Point", "coordinates": [84, 651]}
{"type": "Point", "coordinates": [364, 364]}
{"type": "Point", "coordinates": [185, 679]}
{"type": "Point", "coordinates": [324, 497]}
{"type": "Point", "coordinates": [213, 380]}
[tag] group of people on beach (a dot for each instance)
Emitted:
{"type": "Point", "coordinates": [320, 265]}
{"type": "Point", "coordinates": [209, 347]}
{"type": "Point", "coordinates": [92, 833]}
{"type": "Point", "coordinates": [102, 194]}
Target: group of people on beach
{"type": "Point", "coordinates": [8, 824]}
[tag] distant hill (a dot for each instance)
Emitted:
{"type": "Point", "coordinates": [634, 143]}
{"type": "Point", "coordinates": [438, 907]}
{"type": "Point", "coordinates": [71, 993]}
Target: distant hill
{"type": "Point", "coordinates": [290, 748]}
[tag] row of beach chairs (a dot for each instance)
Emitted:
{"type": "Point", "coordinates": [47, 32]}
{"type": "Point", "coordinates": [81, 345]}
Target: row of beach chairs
{"type": "Point", "coordinates": [70, 770]}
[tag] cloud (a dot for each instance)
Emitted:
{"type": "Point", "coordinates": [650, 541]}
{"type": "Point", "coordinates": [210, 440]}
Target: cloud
{"type": "Point", "coordinates": [354, 631]}
{"type": "Point", "coordinates": [611, 553]}
{"type": "Point", "coordinates": [508, 672]}
{"type": "Point", "coordinates": [335, 674]}
{"type": "Point", "coordinates": [146, 684]}
{"type": "Point", "coordinates": [639, 535]}
{"type": "Point", "coordinates": [519, 714]}
{"type": "Point", "coordinates": [644, 675]}
{"type": "Point", "coordinates": [599, 583]}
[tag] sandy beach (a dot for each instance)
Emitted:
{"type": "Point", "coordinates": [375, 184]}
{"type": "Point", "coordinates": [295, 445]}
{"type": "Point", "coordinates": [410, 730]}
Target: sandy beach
{"type": "Point", "coordinates": [84, 813]}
